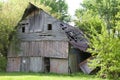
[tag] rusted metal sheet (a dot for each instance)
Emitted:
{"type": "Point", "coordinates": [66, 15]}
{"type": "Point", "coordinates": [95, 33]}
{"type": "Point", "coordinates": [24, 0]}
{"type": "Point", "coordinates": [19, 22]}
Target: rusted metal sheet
{"type": "Point", "coordinates": [59, 65]}
{"type": "Point", "coordinates": [13, 64]}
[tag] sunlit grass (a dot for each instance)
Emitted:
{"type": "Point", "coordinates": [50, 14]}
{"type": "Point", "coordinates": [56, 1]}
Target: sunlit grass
{"type": "Point", "coordinates": [46, 76]}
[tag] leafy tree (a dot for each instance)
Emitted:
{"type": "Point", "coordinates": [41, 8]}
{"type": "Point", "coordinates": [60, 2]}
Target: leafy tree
{"type": "Point", "coordinates": [85, 19]}
{"type": "Point", "coordinates": [58, 6]}
{"type": "Point", "coordinates": [2, 63]}
{"type": "Point", "coordinates": [106, 51]}
{"type": "Point", "coordinates": [106, 9]}
{"type": "Point", "coordinates": [100, 21]}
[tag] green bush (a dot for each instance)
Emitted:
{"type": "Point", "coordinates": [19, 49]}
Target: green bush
{"type": "Point", "coordinates": [105, 47]}
{"type": "Point", "coordinates": [3, 62]}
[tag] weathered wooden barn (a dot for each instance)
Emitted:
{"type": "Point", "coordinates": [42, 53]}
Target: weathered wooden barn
{"type": "Point", "coordinates": [47, 44]}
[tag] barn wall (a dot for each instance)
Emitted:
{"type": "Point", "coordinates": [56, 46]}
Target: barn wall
{"type": "Point", "coordinates": [36, 22]}
{"type": "Point", "coordinates": [59, 65]}
{"type": "Point", "coordinates": [57, 49]}
{"type": "Point", "coordinates": [25, 64]}
{"type": "Point", "coordinates": [12, 52]}
{"type": "Point", "coordinates": [73, 62]}
{"type": "Point", "coordinates": [13, 64]}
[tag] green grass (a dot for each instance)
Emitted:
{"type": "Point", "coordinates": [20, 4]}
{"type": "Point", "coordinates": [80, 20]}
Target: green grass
{"type": "Point", "coordinates": [46, 76]}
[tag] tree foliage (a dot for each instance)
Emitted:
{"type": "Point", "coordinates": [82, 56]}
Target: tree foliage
{"type": "Point", "coordinates": [100, 21]}
{"type": "Point", "coordinates": [59, 8]}
{"type": "Point", "coordinates": [3, 62]}
{"type": "Point", "coordinates": [106, 9]}
{"type": "Point", "coordinates": [85, 19]}
{"type": "Point", "coordinates": [105, 48]}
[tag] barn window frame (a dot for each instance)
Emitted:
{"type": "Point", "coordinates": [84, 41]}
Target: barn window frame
{"type": "Point", "coordinates": [49, 27]}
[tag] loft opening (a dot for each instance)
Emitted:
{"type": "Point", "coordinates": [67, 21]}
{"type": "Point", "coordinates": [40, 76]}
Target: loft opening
{"type": "Point", "coordinates": [23, 29]}
{"type": "Point", "coordinates": [49, 26]}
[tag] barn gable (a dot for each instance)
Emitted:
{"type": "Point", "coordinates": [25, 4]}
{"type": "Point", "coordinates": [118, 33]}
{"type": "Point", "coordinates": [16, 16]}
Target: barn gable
{"type": "Point", "coordinates": [39, 25]}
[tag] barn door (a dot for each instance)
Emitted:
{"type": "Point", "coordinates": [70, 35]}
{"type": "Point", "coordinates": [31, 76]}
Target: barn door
{"type": "Point", "coordinates": [13, 64]}
{"type": "Point", "coordinates": [36, 64]}
{"type": "Point", "coordinates": [25, 63]}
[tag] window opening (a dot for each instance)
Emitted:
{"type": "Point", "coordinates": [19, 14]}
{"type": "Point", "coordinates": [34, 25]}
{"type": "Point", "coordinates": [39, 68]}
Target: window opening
{"type": "Point", "coordinates": [23, 29]}
{"type": "Point", "coordinates": [49, 26]}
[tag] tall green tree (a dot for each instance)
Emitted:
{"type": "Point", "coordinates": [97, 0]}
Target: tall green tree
{"type": "Point", "coordinates": [59, 7]}
{"type": "Point", "coordinates": [106, 9]}
{"type": "Point", "coordinates": [104, 40]}
{"type": "Point", "coordinates": [105, 50]}
{"type": "Point", "coordinates": [85, 19]}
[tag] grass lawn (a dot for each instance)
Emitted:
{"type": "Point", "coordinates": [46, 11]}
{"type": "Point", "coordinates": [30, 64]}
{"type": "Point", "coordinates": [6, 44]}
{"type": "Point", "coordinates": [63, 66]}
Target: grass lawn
{"type": "Point", "coordinates": [46, 76]}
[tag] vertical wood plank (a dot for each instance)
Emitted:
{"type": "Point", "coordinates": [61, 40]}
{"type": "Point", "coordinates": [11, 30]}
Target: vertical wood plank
{"type": "Point", "coordinates": [59, 65]}
{"type": "Point", "coordinates": [13, 64]}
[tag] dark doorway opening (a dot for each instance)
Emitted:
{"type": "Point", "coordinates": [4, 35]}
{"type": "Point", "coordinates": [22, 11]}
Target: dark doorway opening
{"type": "Point", "coordinates": [81, 56]}
{"type": "Point", "coordinates": [47, 64]}
{"type": "Point", "coordinates": [49, 26]}
{"type": "Point", "coordinates": [23, 29]}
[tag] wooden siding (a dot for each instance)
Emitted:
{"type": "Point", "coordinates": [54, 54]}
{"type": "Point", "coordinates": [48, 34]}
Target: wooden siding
{"type": "Point", "coordinates": [85, 67]}
{"type": "Point", "coordinates": [36, 28]}
{"type": "Point", "coordinates": [59, 65]}
{"type": "Point", "coordinates": [25, 64]}
{"type": "Point", "coordinates": [57, 49]}
{"type": "Point", "coordinates": [36, 64]}
{"type": "Point", "coordinates": [12, 51]}
{"type": "Point", "coordinates": [51, 35]}
{"type": "Point", "coordinates": [13, 64]}
{"type": "Point", "coordinates": [25, 61]}
{"type": "Point", "coordinates": [36, 22]}
{"type": "Point", "coordinates": [73, 63]}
